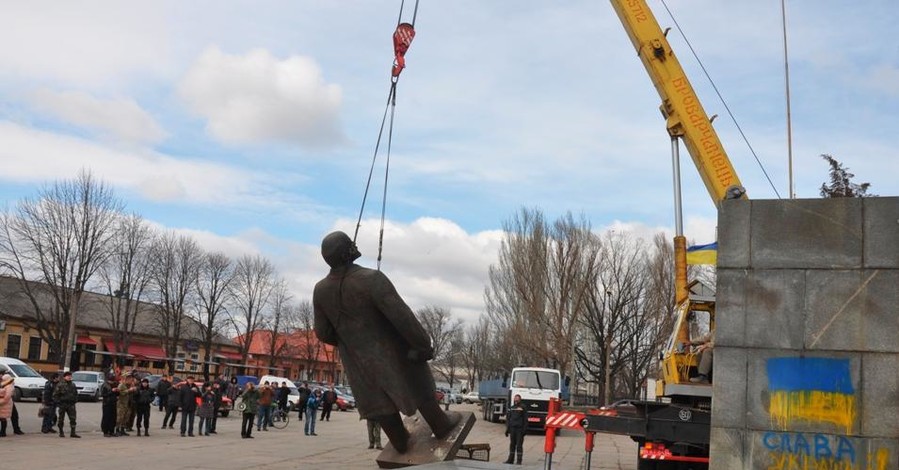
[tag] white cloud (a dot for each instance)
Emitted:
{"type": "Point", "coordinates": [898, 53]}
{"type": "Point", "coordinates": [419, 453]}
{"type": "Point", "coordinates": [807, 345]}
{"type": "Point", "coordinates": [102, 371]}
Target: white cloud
{"type": "Point", "coordinates": [94, 44]}
{"type": "Point", "coordinates": [119, 118]}
{"type": "Point", "coordinates": [29, 155]}
{"type": "Point", "coordinates": [431, 261]}
{"type": "Point", "coordinates": [257, 97]}
{"type": "Point", "coordinates": [699, 230]}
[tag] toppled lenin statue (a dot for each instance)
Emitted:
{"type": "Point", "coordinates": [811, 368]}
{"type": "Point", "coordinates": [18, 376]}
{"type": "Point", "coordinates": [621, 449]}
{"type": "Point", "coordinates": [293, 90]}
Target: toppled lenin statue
{"type": "Point", "coordinates": [382, 345]}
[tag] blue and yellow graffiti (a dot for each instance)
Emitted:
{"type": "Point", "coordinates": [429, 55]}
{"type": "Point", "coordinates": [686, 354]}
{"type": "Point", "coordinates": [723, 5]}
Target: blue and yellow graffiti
{"type": "Point", "coordinates": [804, 451]}
{"type": "Point", "coordinates": [816, 390]}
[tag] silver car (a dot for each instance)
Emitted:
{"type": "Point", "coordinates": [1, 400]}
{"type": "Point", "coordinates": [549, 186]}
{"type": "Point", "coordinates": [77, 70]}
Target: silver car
{"type": "Point", "coordinates": [88, 384]}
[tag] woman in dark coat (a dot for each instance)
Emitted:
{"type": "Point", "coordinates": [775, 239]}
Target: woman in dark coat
{"type": "Point", "coordinates": [382, 345]}
{"type": "Point", "coordinates": [206, 410]}
{"type": "Point", "coordinates": [233, 391]}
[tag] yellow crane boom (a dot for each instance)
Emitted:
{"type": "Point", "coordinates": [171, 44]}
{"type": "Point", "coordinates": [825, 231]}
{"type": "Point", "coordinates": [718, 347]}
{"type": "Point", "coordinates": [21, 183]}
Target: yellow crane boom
{"type": "Point", "coordinates": [685, 119]}
{"type": "Point", "coordinates": [684, 114]}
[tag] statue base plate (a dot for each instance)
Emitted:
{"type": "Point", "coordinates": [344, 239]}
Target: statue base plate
{"type": "Point", "coordinates": [423, 446]}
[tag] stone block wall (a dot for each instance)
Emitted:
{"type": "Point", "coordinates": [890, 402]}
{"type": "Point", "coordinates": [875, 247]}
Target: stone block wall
{"type": "Point", "coordinates": [806, 371]}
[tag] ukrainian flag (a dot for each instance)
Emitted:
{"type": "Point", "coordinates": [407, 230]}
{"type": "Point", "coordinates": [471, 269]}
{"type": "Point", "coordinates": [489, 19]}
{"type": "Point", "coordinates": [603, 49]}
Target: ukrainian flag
{"type": "Point", "coordinates": [703, 254]}
{"type": "Point", "coordinates": [811, 390]}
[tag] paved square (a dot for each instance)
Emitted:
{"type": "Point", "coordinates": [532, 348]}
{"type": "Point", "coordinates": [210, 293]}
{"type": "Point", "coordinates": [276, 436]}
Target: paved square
{"type": "Point", "coordinates": [342, 443]}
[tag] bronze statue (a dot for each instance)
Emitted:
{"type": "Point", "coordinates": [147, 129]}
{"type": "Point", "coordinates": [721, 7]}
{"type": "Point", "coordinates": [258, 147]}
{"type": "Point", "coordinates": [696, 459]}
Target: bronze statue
{"type": "Point", "coordinates": [382, 345]}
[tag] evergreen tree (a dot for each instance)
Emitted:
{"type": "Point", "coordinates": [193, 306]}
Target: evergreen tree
{"type": "Point", "coordinates": [841, 184]}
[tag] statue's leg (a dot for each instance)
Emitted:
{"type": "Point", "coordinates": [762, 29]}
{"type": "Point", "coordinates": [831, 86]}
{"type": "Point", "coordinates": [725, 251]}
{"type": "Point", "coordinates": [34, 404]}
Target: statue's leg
{"type": "Point", "coordinates": [393, 426]}
{"type": "Point", "coordinates": [441, 423]}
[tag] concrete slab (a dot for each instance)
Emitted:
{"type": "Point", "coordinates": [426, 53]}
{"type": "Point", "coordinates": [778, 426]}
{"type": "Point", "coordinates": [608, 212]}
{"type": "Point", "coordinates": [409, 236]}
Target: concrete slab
{"type": "Point", "coordinates": [775, 301]}
{"type": "Point", "coordinates": [729, 388]}
{"type": "Point", "coordinates": [730, 308]}
{"type": "Point", "coordinates": [834, 303]}
{"type": "Point", "coordinates": [880, 403]}
{"type": "Point", "coordinates": [728, 448]}
{"type": "Point", "coordinates": [733, 234]}
{"type": "Point", "coordinates": [423, 446]}
{"type": "Point", "coordinates": [881, 232]}
{"type": "Point", "coordinates": [880, 314]}
{"type": "Point", "coordinates": [810, 233]}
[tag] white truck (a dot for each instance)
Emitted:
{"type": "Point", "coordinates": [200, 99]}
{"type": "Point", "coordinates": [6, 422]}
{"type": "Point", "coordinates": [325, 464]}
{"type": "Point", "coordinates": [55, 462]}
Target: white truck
{"type": "Point", "coordinates": [536, 386]}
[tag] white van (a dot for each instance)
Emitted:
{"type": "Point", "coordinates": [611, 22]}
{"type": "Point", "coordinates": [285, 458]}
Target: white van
{"type": "Point", "coordinates": [293, 398]}
{"type": "Point", "coordinates": [28, 383]}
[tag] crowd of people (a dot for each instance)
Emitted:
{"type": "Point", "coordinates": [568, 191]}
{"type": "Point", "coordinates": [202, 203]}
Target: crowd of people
{"type": "Point", "coordinates": [127, 401]}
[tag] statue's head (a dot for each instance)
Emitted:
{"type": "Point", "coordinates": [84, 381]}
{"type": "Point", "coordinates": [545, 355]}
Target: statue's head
{"type": "Point", "coordinates": [338, 250]}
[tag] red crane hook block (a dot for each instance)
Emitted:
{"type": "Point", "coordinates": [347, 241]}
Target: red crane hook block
{"type": "Point", "coordinates": [402, 38]}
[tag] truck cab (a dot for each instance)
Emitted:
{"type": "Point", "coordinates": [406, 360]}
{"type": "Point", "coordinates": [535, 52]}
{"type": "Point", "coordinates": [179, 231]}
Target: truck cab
{"type": "Point", "coordinates": [536, 385]}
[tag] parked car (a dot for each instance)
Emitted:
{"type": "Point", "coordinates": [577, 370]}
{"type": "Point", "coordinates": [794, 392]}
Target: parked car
{"type": "Point", "coordinates": [471, 397]}
{"type": "Point", "coordinates": [345, 402]}
{"type": "Point", "coordinates": [27, 382]}
{"type": "Point", "coordinates": [88, 384]}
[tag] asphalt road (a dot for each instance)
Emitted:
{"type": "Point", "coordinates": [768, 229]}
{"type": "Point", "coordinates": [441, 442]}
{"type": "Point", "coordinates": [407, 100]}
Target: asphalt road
{"type": "Point", "coordinates": [341, 443]}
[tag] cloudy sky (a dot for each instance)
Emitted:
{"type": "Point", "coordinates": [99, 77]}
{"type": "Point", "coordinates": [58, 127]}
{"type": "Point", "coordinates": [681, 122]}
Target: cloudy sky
{"type": "Point", "coordinates": [251, 125]}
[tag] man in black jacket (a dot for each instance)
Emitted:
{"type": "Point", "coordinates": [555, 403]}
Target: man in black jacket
{"type": "Point", "coordinates": [516, 426]}
{"type": "Point", "coordinates": [110, 393]}
{"type": "Point", "coordinates": [216, 405]}
{"type": "Point", "coordinates": [304, 396]}
{"type": "Point", "coordinates": [329, 399]}
{"type": "Point", "coordinates": [171, 406]}
{"type": "Point", "coordinates": [162, 391]}
{"type": "Point", "coordinates": [49, 405]}
{"type": "Point", "coordinates": [187, 400]}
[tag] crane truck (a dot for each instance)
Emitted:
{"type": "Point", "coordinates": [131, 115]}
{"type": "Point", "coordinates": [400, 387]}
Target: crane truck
{"type": "Point", "coordinates": [673, 431]}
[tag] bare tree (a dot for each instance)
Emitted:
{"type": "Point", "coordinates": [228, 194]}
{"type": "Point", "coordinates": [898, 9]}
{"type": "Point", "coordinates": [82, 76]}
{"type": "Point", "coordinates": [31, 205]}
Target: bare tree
{"type": "Point", "coordinates": [125, 277]}
{"type": "Point", "coordinates": [279, 322]}
{"type": "Point", "coordinates": [616, 296]}
{"type": "Point", "coordinates": [445, 332]}
{"type": "Point", "coordinates": [539, 287]}
{"type": "Point", "coordinates": [254, 280]}
{"type": "Point", "coordinates": [440, 325]}
{"type": "Point", "coordinates": [451, 359]}
{"type": "Point", "coordinates": [174, 279]}
{"type": "Point", "coordinates": [660, 294]}
{"type": "Point", "coordinates": [59, 239]}
{"type": "Point", "coordinates": [475, 350]}
{"type": "Point", "coordinates": [214, 277]}
{"type": "Point", "coordinates": [309, 347]}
